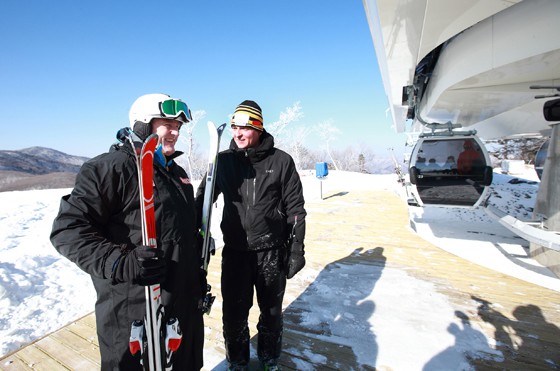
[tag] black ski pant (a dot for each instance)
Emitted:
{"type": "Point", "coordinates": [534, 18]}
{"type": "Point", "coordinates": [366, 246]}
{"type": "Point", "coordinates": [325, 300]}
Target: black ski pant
{"type": "Point", "coordinates": [241, 272]}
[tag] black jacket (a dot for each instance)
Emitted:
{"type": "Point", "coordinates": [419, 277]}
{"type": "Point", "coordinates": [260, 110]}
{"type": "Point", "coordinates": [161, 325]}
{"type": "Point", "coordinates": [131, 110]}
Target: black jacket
{"type": "Point", "coordinates": [102, 212]}
{"type": "Point", "coordinates": [262, 195]}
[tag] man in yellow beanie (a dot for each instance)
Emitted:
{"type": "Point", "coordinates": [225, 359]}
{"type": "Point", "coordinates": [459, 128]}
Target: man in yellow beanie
{"type": "Point", "coordinates": [263, 226]}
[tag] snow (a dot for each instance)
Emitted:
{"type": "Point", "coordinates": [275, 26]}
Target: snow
{"type": "Point", "coordinates": [40, 291]}
{"type": "Point", "coordinates": [475, 236]}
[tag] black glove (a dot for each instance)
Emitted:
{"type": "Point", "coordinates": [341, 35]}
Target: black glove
{"type": "Point", "coordinates": [296, 260]}
{"type": "Point", "coordinates": [203, 282]}
{"type": "Point", "coordinates": [207, 299]}
{"type": "Point", "coordinates": [200, 242]}
{"type": "Point", "coordinates": [143, 265]}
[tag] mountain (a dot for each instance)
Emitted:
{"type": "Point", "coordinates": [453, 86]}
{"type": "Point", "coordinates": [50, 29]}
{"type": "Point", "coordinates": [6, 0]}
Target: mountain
{"type": "Point", "coordinates": [37, 168]}
{"type": "Point", "coordinates": [40, 160]}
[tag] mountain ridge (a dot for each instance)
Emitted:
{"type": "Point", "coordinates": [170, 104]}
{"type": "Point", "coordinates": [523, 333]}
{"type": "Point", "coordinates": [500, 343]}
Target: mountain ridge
{"type": "Point", "coordinates": [40, 160]}
{"type": "Point", "coordinates": [38, 168]}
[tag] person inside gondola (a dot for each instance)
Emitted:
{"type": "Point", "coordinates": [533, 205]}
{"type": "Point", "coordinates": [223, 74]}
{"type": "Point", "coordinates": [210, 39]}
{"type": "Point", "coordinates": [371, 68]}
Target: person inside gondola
{"type": "Point", "coordinates": [433, 166]}
{"type": "Point", "coordinates": [421, 163]}
{"type": "Point", "coordinates": [470, 161]}
{"type": "Point", "coordinates": [450, 165]}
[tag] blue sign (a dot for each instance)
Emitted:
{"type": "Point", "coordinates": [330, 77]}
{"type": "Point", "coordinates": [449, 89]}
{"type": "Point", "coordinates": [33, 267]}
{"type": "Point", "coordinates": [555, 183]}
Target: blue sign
{"type": "Point", "coordinates": [321, 169]}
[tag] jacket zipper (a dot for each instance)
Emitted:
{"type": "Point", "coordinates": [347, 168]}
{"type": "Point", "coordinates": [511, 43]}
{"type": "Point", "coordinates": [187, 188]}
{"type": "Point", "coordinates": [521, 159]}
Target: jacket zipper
{"type": "Point", "coordinates": [251, 198]}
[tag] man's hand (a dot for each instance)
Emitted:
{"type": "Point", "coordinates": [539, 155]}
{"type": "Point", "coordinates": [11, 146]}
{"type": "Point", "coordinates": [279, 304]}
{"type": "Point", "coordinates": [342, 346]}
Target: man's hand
{"type": "Point", "coordinates": [203, 282]}
{"type": "Point", "coordinates": [211, 243]}
{"type": "Point", "coordinates": [143, 265]}
{"type": "Point", "coordinates": [296, 261]}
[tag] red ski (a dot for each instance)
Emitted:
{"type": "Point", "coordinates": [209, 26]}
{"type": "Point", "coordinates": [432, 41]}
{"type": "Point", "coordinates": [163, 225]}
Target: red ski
{"type": "Point", "coordinates": [155, 342]}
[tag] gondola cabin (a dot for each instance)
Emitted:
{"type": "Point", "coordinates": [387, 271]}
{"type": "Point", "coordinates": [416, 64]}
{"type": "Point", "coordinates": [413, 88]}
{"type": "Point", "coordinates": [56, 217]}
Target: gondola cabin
{"type": "Point", "coordinates": [450, 171]}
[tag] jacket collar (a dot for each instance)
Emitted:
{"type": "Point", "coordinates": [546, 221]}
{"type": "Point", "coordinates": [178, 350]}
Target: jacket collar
{"type": "Point", "coordinates": [255, 154]}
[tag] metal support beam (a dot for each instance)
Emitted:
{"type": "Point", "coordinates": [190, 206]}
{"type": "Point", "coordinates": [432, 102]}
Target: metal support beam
{"type": "Point", "coordinates": [526, 230]}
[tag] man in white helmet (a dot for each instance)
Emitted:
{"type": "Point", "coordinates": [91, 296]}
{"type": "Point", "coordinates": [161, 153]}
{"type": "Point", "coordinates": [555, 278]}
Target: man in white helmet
{"type": "Point", "coordinates": [98, 227]}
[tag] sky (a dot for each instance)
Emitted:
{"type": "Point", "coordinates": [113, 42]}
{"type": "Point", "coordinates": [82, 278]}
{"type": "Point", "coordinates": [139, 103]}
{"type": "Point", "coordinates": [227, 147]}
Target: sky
{"type": "Point", "coordinates": [41, 291]}
{"type": "Point", "coordinates": [75, 67]}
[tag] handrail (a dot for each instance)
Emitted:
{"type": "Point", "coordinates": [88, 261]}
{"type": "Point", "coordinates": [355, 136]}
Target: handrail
{"type": "Point", "coordinates": [525, 230]}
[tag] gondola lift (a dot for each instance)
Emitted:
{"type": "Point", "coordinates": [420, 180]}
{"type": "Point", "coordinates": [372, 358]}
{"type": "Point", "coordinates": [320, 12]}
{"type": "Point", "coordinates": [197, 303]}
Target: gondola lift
{"type": "Point", "coordinates": [449, 167]}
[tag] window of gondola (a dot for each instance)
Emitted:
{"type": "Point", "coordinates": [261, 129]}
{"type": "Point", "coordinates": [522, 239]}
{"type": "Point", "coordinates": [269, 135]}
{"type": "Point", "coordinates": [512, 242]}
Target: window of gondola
{"type": "Point", "coordinates": [450, 171]}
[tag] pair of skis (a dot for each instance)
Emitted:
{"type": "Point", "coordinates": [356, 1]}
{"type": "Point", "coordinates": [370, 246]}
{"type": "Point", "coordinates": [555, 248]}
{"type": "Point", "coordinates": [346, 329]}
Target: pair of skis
{"type": "Point", "coordinates": [155, 342]}
{"type": "Point", "coordinates": [215, 136]}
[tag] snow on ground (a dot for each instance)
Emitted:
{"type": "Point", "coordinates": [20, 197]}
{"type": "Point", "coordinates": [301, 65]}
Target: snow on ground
{"type": "Point", "coordinates": [475, 236]}
{"type": "Point", "coordinates": [40, 291]}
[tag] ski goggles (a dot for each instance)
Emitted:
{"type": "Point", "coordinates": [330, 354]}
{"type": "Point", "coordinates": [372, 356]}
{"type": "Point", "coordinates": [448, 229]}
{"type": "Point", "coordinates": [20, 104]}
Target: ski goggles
{"type": "Point", "coordinates": [172, 108]}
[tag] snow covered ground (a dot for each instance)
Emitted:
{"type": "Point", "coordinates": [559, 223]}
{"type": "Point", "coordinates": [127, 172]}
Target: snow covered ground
{"type": "Point", "coordinates": [40, 291]}
{"type": "Point", "coordinates": [475, 236]}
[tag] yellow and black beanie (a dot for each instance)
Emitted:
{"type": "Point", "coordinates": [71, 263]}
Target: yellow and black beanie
{"type": "Point", "coordinates": [248, 113]}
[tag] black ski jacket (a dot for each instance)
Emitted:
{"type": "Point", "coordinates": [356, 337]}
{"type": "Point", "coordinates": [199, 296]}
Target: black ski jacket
{"type": "Point", "coordinates": [103, 212]}
{"type": "Point", "coordinates": [262, 195]}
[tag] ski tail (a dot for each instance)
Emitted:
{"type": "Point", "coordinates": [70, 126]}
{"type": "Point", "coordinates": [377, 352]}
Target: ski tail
{"type": "Point", "coordinates": [215, 137]}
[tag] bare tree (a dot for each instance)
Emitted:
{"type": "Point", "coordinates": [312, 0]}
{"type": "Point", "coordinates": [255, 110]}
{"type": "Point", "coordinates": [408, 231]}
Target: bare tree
{"type": "Point", "coordinates": [352, 158]}
{"type": "Point", "coordinates": [191, 145]}
{"type": "Point", "coordinates": [362, 158]}
{"type": "Point", "coordinates": [287, 117]}
{"type": "Point", "coordinates": [295, 145]}
{"type": "Point", "coordinates": [307, 158]}
{"type": "Point", "coordinates": [359, 158]}
{"type": "Point", "coordinates": [346, 159]}
{"type": "Point", "coordinates": [516, 149]}
{"type": "Point", "coordinates": [328, 133]}
{"type": "Point", "coordinates": [199, 163]}
{"type": "Point", "coordinates": [292, 141]}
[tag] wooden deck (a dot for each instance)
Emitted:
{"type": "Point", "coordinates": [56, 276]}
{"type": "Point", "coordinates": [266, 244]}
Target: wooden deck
{"type": "Point", "coordinates": [361, 228]}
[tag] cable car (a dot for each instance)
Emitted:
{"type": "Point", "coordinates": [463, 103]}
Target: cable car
{"type": "Point", "coordinates": [450, 170]}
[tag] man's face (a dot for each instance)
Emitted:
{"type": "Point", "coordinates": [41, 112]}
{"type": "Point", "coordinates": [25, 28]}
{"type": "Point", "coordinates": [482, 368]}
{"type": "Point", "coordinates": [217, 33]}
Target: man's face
{"type": "Point", "coordinates": [245, 136]}
{"type": "Point", "coordinates": [168, 133]}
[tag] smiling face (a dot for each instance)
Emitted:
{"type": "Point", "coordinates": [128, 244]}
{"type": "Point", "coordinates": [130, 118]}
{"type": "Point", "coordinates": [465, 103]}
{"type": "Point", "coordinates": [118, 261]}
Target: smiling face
{"type": "Point", "coordinates": [245, 136]}
{"type": "Point", "coordinates": [168, 133]}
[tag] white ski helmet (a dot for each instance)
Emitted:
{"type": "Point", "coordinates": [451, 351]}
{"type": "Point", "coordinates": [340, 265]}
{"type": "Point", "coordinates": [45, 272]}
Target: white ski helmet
{"type": "Point", "coordinates": [150, 106]}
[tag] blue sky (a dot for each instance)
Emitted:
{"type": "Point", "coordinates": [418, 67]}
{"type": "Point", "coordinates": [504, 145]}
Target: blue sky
{"type": "Point", "coordinates": [71, 69]}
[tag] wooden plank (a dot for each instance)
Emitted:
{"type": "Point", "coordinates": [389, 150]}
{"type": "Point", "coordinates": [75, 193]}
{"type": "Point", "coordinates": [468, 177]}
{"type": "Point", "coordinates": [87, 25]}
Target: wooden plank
{"type": "Point", "coordinates": [38, 360]}
{"type": "Point", "coordinates": [68, 354]}
{"type": "Point", "coordinates": [14, 363]}
{"type": "Point", "coordinates": [309, 347]}
{"type": "Point", "coordinates": [88, 320]}
{"type": "Point", "coordinates": [78, 344]}
{"type": "Point", "coordinates": [83, 329]}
